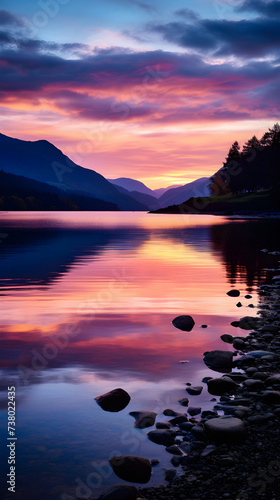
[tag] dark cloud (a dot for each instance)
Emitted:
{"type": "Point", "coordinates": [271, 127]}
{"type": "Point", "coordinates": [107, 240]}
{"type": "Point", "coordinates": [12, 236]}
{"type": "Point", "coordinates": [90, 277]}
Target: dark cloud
{"type": "Point", "coordinates": [186, 14]}
{"type": "Point", "coordinates": [266, 8]}
{"type": "Point", "coordinates": [7, 18]}
{"type": "Point", "coordinates": [246, 38]}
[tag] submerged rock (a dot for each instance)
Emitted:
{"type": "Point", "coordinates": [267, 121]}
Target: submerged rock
{"type": "Point", "coordinates": [143, 419]}
{"type": "Point", "coordinates": [132, 469]}
{"type": "Point", "coordinates": [194, 391]}
{"type": "Point", "coordinates": [166, 437]}
{"type": "Point", "coordinates": [194, 410]}
{"type": "Point", "coordinates": [226, 429]}
{"type": "Point", "coordinates": [113, 401]}
{"type": "Point", "coordinates": [120, 492]}
{"type": "Point", "coordinates": [183, 401]}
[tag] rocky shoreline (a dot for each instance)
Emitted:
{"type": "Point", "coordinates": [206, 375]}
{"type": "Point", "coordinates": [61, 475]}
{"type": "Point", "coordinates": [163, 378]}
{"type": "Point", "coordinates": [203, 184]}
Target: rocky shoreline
{"type": "Point", "coordinates": [234, 455]}
{"type": "Point", "coordinates": [251, 469]}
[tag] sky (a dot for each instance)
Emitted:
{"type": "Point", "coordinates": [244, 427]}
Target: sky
{"type": "Point", "coordinates": [152, 90]}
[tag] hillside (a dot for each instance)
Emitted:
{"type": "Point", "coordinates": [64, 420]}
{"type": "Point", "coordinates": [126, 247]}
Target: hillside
{"type": "Point", "coordinates": [132, 185]}
{"type": "Point", "coordinates": [229, 204]}
{"type": "Point", "coordinates": [20, 193]}
{"type": "Point", "coordinates": [43, 162]}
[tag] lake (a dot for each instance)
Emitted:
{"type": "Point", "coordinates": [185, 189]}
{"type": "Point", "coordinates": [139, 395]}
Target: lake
{"type": "Point", "coordinates": [87, 303]}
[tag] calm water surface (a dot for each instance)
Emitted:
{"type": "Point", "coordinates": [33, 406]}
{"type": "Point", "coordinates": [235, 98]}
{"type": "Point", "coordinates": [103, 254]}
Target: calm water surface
{"type": "Point", "coordinates": [87, 301]}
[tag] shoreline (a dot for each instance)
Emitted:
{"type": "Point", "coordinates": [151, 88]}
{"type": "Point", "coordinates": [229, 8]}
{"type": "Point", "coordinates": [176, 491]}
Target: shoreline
{"type": "Point", "coordinates": [251, 469]}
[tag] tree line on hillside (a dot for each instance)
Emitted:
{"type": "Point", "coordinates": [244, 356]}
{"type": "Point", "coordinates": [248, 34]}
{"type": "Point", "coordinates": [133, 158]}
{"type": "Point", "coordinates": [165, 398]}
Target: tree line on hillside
{"type": "Point", "coordinates": [255, 167]}
{"type": "Point", "coordinates": [21, 193]}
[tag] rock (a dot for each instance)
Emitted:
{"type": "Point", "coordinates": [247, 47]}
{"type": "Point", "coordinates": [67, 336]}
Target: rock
{"type": "Point", "coordinates": [183, 401]}
{"type": "Point", "coordinates": [248, 296]}
{"type": "Point", "coordinates": [194, 391]}
{"type": "Point", "coordinates": [238, 344]}
{"type": "Point", "coordinates": [176, 460]}
{"type": "Point", "coordinates": [249, 323]}
{"type": "Point", "coordinates": [261, 354]}
{"type": "Point", "coordinates": [194, 410]}
{"type": "Point", "coordinates": [226, 429]}
{"type": "Point", "coordinates": [186, 426]}
{"type": "Point", "coordinates": [227, 338]}
{"type": "Point", "coordinates": [271, 397]}
{"type": "Point", "coordinates": [178, 420]}
{"type": "Point", "coordinates": [219, 359]}
{"type": "Point", "coordinates": [163, 425]}
{"type": "Point", "coordinates": [170, 475]}
{"type": "Point", "coordinates": [170, 413]}
{"type": "Point", "coordinates": [155, 462]}
{"type": "Point", "coordinates": [209, 450]}
{"type": "Point", "coordinates": [206, 379]}
{"type": "Point", "coordinates": [237, 377]}
{"type": "Point", "coordinates": [204, 326]}
{"type": "Point", "coordinates": [273, 379]}
{"type": "Point", "coordinates": [219, 386]}
{"type": "Point", "coordinates": [166, 437]}
{"type": "Point", "coordinates": [185, 323]}
{"type": "Point", "coordinates": [254, 384]}
{"type": "Point", "coordinates": [238, 304]}
{"type": "Point", "coordinates": [199, 433]}
{"type": "Point", "coordinates": [233, 293]}
{"type": "Point", "coordinates": [120, 492]}
{"type": "Point", "coordinates": [132, 469]}
{"type": "Point", "coordinates": [174, 450]}
{"type": "Point", "coordinates": [113, 401]}
{"type": "Point", "coordinates": [143, 419]}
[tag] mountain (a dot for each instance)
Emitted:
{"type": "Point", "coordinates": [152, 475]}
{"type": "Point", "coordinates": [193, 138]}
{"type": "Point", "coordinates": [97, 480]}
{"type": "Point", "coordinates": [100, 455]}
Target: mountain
{"type": "Point", "coordinates": [160, 191]}
{"type": "Point", "coordinates": [43, 162]}
{"type": "Point", "coordinates": [132, 185]}
{"type": "Point", "coordinates": [178, 195]}
{"type": "Point", "coordinates": [150, 201]}
{"type": "Point", "coordinates": [20, 193]}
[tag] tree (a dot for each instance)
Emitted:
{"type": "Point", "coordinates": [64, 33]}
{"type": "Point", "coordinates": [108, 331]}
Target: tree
{"type": "Point", "coordinates": [272, 137]}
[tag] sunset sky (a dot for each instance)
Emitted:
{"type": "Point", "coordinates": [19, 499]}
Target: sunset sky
{"type": "Point", "coordinates": [153, 90]}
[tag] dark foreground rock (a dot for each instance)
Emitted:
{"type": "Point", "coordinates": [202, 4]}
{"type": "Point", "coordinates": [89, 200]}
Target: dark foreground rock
{"type": "Point", "coordinates": [132, 469]}
{"type": "Point", "coordinates": [185, 323]}
{"type": "Point", "coordinates": [226, 429]}
{"type": "Point", "coordinates": [120, 492]}
{"type": "Point", "coordinates": [113, 401]}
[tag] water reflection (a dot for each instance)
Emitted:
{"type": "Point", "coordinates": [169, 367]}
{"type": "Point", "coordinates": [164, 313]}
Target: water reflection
{"type": "Point", "coordinates": [87, 306]}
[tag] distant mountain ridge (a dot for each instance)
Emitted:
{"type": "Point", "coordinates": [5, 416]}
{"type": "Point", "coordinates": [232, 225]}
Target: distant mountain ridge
{"type": "Point", "coordinates": [43, 162]}
{"type": "Point", "coordinates": [132, 185]}
{"type": "Point", "coordinates": [175, 196]}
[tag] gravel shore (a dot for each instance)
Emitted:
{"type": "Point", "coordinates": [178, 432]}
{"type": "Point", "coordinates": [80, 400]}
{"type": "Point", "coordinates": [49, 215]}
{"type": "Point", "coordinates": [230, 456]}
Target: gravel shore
{"type": "Point", "coordinates": [219, 469]}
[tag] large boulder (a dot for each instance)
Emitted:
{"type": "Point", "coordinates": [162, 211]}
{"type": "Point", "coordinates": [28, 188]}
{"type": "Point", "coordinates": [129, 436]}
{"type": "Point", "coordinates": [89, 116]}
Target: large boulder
{"type": "Point", "coordinates": [226, 429]}
{"type": "Point", "coordinates": [166, 437]}
{"type": "Point", "coordinates": [219, 359]}
{"type": "Point", "coordinates": [132, 469]}
{"type": "Point", "coordinates": [120, 492]}
{"type": "Point", "coordinates": [143, 419]}
{"type": "Point", "coordinates": [113, 401]}
{"type": "Point", "coordinates": [219, 386]}
{"type": "Point", "coordinates": [185, 323]}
